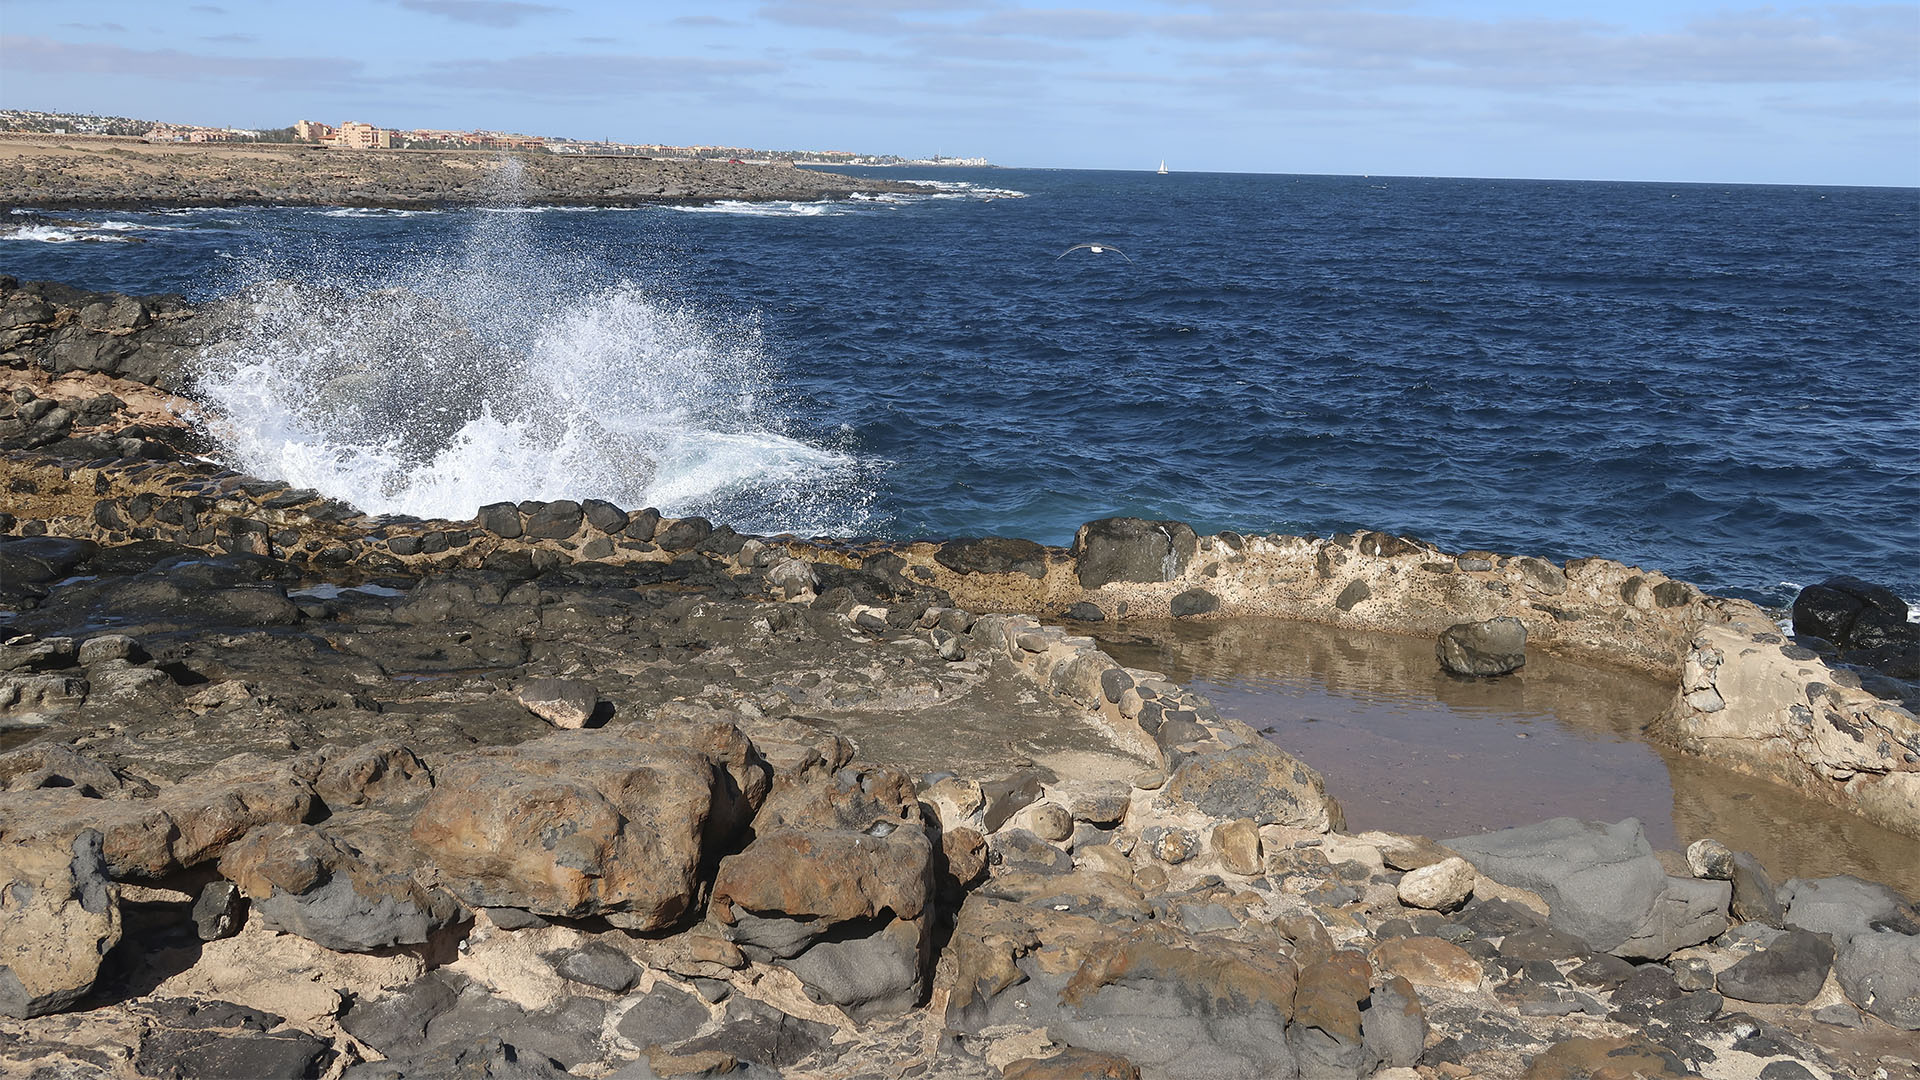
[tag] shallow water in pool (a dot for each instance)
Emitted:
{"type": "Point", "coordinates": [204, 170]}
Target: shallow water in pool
{"type": "Point", "coordinates": [1408, 748]}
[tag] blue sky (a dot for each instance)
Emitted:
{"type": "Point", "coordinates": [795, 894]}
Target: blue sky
{"type": "Point", "coordinates": [1682, 90]}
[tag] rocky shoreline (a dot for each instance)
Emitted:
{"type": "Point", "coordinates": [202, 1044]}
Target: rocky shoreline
{"type": "Point", "coordinates": [53, 172]}
{"type": "Point", "coordinates": [572, 789]}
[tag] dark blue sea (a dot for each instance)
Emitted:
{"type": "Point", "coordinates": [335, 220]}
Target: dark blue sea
{"type": "Point", "coordinates": [1721, 382]}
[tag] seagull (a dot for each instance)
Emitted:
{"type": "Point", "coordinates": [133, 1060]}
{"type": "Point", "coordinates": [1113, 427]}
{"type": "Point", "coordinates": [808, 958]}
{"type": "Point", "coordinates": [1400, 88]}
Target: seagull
{"type": "Point", "coordinates": [1097, 249]}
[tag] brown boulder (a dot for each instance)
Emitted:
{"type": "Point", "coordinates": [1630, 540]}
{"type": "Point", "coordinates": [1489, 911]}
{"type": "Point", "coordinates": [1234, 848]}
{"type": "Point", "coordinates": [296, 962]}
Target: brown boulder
{"type": "Point", "coordinates": [58, 917]}
{"type": "Point", "coordinates": [320, 886]}
{"type": "Point", "coordinates": [577, 823]}
{"type": "Point", "coordinates": [1429, 961]}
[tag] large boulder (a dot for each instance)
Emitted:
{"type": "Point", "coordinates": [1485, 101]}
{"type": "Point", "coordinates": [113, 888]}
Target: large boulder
{"type": "Point", "coordinates": [834, 887]}
{"type": "Point", "coordinates": [304, 880]}
{"type": "Point", "coordinates": [606, 822]}
{"type": "Point", "coordinates": [1602, 883]}
{"type": "Point", "coordinates": [1880, 971]}
{"type": "Point", "coordinates": [1849, 612]}
{"type": "Point", "coordinates": [59, 914]}
{"type": "Point", "coordinates": [1495, 646]}
{"type": "Point", "coordinates": [1255, 780]}
{"type": "Point", "coordinates": [1159, 999]}
{"type": "Point", "coordinates": [1132, 550]}
{"type": "Point", "coordinates": [183, 826]}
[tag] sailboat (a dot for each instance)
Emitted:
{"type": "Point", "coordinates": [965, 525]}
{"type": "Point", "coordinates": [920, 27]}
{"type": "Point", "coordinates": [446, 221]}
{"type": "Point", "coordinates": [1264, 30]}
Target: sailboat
{"type": "Point", "coordinates": [1163, 166]}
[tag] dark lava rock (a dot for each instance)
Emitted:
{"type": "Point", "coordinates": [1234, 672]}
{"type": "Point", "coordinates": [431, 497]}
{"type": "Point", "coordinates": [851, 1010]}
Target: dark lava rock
{"type": "Point", "coordinates": [553, 521]}
{"type": "Point", "coordinates": [1834, 608]}
{"type": "Point", "coordinates": [479, 1058]}
{"type": "Point", "coordinates": [1131, 549]}
{"type": "Point", "coordinates": [1790, 969]}
{"type": "Point", "coordinates": [993, 555]}
{"type": "Point", "coordinates": [219, 911]}
{"type": "Point", "coordinates": [599, 965]}
{"type": "Point", "coordinates": [288, 1055]}
{"type": "Point", "coordinates": [1194, 602]}
{"type": "Point", "coordinates": [1492, 647]}
{"type": "Point", "coordinates": [398, 1022]}
{"type": "Point", "coordinates": [665, 1017]}
{"type": "Point", "coordinates": [756, 1032]}
{"type": "Point", "coordinates": [500, 519]}
{"type": "Point", "coordinates": [1603, 970]}
{"type": "Point", "coordinates": [1086, 612]}
{"type": "Point", "coordinates": [604, 516]}
{"type": "Point", "coordinates": [684, 534]}
{"type": "Point", "coordinates": [1543, 943]}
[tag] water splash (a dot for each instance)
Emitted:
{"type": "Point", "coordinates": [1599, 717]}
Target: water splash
{"type": "Point", "coordinates": [501, 368]}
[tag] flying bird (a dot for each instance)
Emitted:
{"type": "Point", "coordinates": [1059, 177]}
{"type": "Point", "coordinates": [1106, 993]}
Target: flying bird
{"type": "Point", "coordinates": [1097, 249]}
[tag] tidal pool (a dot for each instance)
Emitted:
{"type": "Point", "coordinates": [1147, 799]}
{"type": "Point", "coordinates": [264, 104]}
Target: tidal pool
{"type": "Point", "coordinates": [1408, 748]}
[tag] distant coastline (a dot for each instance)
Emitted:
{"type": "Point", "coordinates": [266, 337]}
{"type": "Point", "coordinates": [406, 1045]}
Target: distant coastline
{"type": "Point", "coordinates": [111, 172]}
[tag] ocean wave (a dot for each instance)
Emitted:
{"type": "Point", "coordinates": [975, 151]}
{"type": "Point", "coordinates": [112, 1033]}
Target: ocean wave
{"type": "Point", "coordinates": [53, 234]}
{"type": "Point", "coordinates": [371, 212]}
{"type": "Point", "coordinates": [769, 209]}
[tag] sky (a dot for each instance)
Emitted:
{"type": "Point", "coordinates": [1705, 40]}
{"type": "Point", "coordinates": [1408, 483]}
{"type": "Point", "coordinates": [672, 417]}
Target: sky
{"type": "Point", "coordinates": [1681, 90]}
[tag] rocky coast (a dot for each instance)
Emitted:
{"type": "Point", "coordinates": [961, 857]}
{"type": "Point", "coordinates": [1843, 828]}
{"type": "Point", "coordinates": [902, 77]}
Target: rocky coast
{"type": "Point", "coordinates": [573, 789]}
{"type": "Point", "coordinates": [101, 172]}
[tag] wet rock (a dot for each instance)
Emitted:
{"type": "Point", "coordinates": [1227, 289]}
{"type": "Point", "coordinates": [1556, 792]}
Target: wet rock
{"type": "Point", "coordinates": [1836, 608]}
{"type": "Point", "coordinates": [564, 703]}
{"type": "Point", "coordinates": [59, 916]}
{"type": "Point", "coordinates": [1755, 899]}
{"type": "Point", "coordinates": [1194, 602]}
{"type": "Point", "coordinates": [1131, 549]}
{"type": "Point", "coordinates": [1441, 886]}
{"type": "Point", "coordinates": [598, 965]}
{"type": "Point", "coordinates": [303, 880]}
{"type": "Point", "coordinates": [1492, 647]}
{"type": "Point", "coordinates": [551, 521]}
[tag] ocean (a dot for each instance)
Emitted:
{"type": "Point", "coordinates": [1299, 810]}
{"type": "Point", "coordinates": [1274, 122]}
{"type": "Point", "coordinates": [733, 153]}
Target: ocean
{"type": "Point", "coordinates": [1721, 382]}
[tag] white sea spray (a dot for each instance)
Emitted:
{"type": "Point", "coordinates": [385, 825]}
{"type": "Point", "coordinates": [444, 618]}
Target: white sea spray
{"type": "Point", "coordinates": [505, 369]}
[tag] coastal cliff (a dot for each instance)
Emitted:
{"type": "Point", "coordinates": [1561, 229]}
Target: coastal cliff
{"type": "Point", "coordinates": [577, 789]}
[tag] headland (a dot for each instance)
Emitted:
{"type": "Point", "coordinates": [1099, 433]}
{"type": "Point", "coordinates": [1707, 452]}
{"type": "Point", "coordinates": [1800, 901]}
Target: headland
{"type": "Point", "coordinates": [101, 172]}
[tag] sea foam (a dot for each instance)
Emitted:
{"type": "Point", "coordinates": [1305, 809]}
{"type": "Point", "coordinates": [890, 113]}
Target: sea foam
{"type": "Point", "coordinates": [505, 371]}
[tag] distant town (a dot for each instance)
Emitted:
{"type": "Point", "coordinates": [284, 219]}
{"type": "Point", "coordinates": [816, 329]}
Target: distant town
{"type": "Point", "coordinates": [354, 135]}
